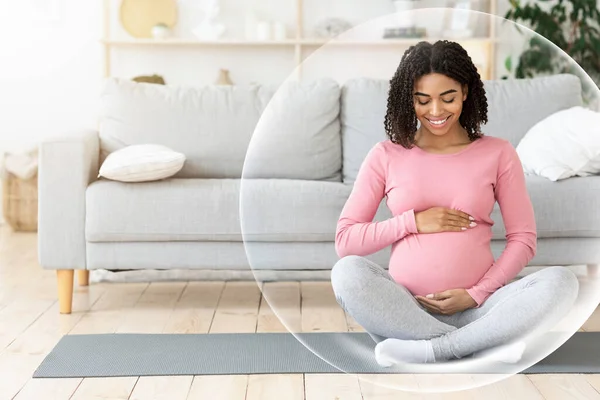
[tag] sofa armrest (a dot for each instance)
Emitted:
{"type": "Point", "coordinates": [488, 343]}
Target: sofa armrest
{"type": "Point", "coordinates": [67, 165]}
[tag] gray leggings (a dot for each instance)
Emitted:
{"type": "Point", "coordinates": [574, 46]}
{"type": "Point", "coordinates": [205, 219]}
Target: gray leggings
{"type": "Point", "coordinates": [385, 309]}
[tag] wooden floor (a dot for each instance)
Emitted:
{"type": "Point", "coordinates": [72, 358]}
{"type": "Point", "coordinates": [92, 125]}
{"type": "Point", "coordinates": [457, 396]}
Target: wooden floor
{"type": "Point", "coordinates": [30, 326]}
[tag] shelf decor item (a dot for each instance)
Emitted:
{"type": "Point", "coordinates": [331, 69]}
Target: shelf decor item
{"type": "Point", "coordinates": [293, 35]}
{"type": "Point", "coordinates": [224, 79]}
{"type": "Point", "coordinates": [161, 31]}
{"type": "Point", "coordinates": [210, 28]}
{"type": "Point", "coordinates": [264, 31]}
{"type": "Point", "coordinates": [279, 31]}
{"type": "Point", "coordinates": [332, 27]}
{"type": "Point", "coordinates": [156, 79]}
{"type": "Point", "coordinates": [460, 21]}
{"type": "Point", "coordinates": [402, 33]}
{"type": "Point", "coordinates": [139, 17]}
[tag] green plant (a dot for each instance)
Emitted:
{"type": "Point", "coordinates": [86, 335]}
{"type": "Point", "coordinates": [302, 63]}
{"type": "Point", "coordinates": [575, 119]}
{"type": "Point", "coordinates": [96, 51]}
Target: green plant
{"type": "Point", "coordinates": [572, 25]}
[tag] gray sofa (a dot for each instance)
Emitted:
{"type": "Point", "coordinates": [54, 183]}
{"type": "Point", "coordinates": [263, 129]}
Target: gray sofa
{"type": "Point", "coordinates": [267, 206]}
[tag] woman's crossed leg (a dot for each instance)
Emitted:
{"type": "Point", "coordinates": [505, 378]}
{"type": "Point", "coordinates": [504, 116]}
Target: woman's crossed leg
{"type": "Point", "coordinates": [406, 332]}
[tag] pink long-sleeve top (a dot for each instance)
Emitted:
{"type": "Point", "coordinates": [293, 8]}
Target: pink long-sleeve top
{"type": "Point", "coordinates": [414, 180]}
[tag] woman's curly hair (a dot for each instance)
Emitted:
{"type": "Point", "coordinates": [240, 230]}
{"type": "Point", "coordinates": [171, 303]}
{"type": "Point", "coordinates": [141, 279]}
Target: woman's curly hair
{"type": "Point", "coordinates": [443, 57]}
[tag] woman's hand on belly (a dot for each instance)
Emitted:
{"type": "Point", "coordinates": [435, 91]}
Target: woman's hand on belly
{"type": "Point", "coordinates": [442, 219]}
{"type": "Point", "coordinates": [447, 302]}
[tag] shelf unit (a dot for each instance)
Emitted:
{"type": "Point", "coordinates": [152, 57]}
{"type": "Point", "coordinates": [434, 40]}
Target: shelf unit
{"type": "Point", "coordinates": [299, 43]}
{"type": "Point", "coordinates": [288, 42]}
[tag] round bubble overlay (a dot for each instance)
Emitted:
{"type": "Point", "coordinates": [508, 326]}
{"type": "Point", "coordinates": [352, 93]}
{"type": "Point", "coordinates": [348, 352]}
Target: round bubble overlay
{"type": "Point", "coordinates": [314, 131]}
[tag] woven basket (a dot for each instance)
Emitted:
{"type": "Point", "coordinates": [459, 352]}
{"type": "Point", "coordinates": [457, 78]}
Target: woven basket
{"type": "Point", "coordinates": [20, 202]}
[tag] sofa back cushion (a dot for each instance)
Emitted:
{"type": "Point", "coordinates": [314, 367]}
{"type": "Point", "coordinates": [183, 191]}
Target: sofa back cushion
{"type": "Point", "coordinates": [363, 108]}
{"type": "Point", "coordinates": [213, 126]}
{"type": "Point", "coordinates": [514, 106]}
{"type": "Point", "coordinates": [298, 135]}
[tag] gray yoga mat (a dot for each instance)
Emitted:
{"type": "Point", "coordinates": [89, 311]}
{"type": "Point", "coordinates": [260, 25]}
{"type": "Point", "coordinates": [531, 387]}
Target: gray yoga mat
{"type": "Point", "coordinates": [110, 355]}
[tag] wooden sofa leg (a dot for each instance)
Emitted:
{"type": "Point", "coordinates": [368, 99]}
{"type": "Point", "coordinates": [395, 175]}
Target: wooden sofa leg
{"type": "Point", "coordinates": [65, 289]}
{"type": "Point", "coordinates": [593, 270]}
{"type": "Point", "coordinates": [83, 277]}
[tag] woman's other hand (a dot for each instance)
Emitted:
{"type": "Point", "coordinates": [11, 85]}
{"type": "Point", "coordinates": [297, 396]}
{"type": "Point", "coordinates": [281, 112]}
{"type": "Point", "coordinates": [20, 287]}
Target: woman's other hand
{"type": "Point", "coordinates": [448, 302]}
{"type": "Point", "coordinates": [441, 219]}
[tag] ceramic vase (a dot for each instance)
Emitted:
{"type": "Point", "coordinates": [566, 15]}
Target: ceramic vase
{"type": "Point", "coordinates": [161, 31]}
{"type": "Point", "coordinates": [224, 79]}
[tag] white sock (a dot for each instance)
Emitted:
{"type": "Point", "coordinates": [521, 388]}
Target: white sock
{"type": "Point", "coordinates": [395, 351]}
{"type": "Point", "coordinates": [508, 353]}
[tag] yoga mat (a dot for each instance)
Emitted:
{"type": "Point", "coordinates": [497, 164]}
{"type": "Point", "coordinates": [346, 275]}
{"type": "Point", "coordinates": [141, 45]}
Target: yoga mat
{"type": "Point", "coordinates": [112, 355]}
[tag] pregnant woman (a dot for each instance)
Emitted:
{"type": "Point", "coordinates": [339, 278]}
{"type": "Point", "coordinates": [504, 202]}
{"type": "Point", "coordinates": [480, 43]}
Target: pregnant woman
{"type": "Point", "coordinates": [444, 297]}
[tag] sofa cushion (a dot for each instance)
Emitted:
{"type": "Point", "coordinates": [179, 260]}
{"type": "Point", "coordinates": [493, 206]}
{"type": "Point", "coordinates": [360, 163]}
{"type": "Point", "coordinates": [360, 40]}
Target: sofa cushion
{"type": "Point", "coordinates": [514, 106]}
{"type": "Point", "coordinates": [141, 163]}
{"type": "Point", "coordinates": [567, 208]}
{"type": "Point", "coordinates": [213, 127]}
{"type": "Point", "coordinates": [298, 135]}
{"type": "Point", "coordinates": [364, 104]}
{"type": "Point", "coordinates": [289, 210]}
{"type": "Point", "coordinates": [209, 210]}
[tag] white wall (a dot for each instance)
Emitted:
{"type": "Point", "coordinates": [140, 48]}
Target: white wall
{"type": "Point", "coordinates": [50, 69]}
{"type": "Point", "coordinates": [51, 65]}
{"type": "Point", "coordinates": [52, 60]}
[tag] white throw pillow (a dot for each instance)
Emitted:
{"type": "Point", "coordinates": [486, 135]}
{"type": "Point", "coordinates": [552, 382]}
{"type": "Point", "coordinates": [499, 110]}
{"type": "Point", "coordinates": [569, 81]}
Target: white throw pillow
{"type": "Point", "coordinates": [563, 145]}
{"type": "Point", "coordinates": [142, 163]}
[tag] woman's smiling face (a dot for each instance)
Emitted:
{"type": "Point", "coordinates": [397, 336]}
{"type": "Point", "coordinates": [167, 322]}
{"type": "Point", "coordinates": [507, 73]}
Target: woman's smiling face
{"type": "Point", "coordinates": [438, 103]}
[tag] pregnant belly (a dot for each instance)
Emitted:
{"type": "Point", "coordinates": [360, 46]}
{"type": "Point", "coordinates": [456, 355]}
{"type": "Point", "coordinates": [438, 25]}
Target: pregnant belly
{"type": "Point", "coordinates": [429, 263]}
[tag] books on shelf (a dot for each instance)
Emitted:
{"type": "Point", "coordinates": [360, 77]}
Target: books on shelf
{"type": "Point", "coordinates": [404, 33]}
